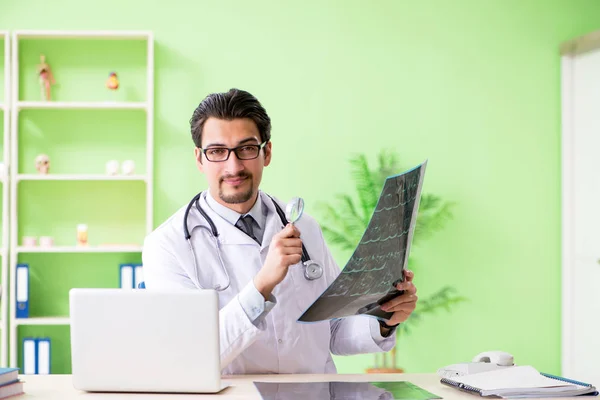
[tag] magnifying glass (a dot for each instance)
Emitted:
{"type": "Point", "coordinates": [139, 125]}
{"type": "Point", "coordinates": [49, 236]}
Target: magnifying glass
{"type": "Point", "coordinates": [294, 209]}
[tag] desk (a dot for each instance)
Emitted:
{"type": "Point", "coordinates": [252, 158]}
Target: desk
{"type": "Point", "coordinates": [55, 387]}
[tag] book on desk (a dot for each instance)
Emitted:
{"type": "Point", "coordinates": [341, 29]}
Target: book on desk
{"type": "Point", "coordinates": [10, 385]}
{"type": "Point", "coordinates": [519, 382]}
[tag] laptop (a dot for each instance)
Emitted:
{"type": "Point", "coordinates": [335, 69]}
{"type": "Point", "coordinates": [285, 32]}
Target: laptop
{"type": "Point", "coordinates": [128, 340]}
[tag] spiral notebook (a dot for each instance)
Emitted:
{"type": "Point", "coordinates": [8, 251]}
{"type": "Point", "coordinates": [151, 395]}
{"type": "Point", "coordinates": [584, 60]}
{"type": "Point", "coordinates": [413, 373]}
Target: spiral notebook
{"type": "Point", "coordinates": [520, 382]}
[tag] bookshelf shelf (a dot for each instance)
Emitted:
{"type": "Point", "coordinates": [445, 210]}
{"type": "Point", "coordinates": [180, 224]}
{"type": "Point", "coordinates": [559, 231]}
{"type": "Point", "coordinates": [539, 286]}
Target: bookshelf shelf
{"type": "Point", "coordinates": [42, 321]}
{"type": "Point", "coordinates": [82, 105]}
{"type": "Point", "coordinates": [76, 249]}
{"type": "Point", "coordinates": [76, 137]}
{"type": "Point", "coordinates": [80, 177]}
{"type": "Point", "coordinates": [84, 35]}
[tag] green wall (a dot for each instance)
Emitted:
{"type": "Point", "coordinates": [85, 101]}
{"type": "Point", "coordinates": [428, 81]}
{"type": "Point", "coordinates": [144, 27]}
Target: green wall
{"type": "Point", "coordinates": [470, 85]}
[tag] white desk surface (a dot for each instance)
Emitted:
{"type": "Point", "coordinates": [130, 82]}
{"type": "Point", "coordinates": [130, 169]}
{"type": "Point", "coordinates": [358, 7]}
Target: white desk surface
{"type": "Point", "coordinates": [241, 387]}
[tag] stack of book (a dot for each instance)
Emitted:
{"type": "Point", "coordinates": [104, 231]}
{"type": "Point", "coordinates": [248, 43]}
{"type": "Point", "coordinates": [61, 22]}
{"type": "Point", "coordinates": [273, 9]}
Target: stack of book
{"type": "Point", "coordinates": [10, 385]}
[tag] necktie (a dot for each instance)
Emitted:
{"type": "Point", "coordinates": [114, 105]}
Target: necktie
{"type": "Point", "coordinates": [245, 225]}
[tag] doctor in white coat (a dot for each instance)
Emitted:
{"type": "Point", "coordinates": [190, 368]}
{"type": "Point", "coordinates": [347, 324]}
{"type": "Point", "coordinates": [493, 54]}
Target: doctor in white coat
{"type": "Point", "coordinates": [255, 262]}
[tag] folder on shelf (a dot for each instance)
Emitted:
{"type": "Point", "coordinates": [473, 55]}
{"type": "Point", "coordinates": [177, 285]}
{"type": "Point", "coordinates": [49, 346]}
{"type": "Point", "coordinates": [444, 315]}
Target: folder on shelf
{"type": "Point", "coordinates": [43, 356]}
{"type": "Point", "coordinates": [138, 275]}
{"type": "Point", "coordinates": [29, 356]}
{"type": "Point", "coordinates": [126, 279]}
{"type": "Point", "coordinates": [22, 291]}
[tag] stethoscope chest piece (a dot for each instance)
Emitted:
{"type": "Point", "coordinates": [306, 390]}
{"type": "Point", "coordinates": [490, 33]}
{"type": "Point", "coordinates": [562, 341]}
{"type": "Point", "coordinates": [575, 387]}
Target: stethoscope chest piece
{"type": "Point", "coordinates": [312, 270]}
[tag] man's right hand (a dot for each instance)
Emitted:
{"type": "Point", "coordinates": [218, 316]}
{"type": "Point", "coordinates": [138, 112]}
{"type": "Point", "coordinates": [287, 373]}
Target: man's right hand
{"type": "Point", "coordinates": [285, 250]}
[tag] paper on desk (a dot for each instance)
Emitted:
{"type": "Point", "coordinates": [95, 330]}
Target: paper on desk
{"type": "Point", "coordinates": [368, 279]}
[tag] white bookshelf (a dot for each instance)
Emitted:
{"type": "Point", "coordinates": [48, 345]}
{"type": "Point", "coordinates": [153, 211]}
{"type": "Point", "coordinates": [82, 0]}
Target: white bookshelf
{"type": "Point", "coordinates": [5, 110]}
{"type": "Point", "coordinates": [16, 178]}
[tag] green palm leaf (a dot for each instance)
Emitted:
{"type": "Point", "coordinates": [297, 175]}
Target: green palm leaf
{"type": "Point", "coordinates": [432, 217]}
{"type": "Point", "coordinates": [367, 187]}
{"type": "Point", "coordinates": [444, 299]}
{"type": "Point", "coordinates": [337, 238]}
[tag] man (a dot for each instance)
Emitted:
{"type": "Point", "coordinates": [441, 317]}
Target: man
{"type": "Point", "coordinates": [231, 238]}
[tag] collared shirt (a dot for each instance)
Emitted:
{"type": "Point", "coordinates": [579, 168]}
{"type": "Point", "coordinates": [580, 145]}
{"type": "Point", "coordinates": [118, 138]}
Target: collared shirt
{"type": "Point", "coordinates": [252, 301]}
{"type": "Point", "coordinates": [258, 212]}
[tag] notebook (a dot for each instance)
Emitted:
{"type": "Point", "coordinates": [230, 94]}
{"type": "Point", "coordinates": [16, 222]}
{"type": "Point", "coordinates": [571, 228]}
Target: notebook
{"type": "Point", "coordinates": [519, 382]}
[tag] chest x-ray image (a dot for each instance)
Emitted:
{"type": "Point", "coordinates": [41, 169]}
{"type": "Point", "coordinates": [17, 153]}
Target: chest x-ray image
{"type": "Point", "coordinates": [369, 277]}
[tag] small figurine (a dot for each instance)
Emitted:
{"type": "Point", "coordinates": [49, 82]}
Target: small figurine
{"type": "Point", "coordinates": [29, 241]}
{"type": "Point", "coordinates": [82, 235]}
{"type": "Point", "coordinates": [46, 241]}
{"type": "Point", "coordinates": [112, 82]}
{"type": "Point", "coordinates": [46, 77]}
{"type": "Point", "coordinates": [112, 167]}
{"type": "Point", "coordinates": [42, 164]}
{"type": "Point", "coordinates": [128, 167]}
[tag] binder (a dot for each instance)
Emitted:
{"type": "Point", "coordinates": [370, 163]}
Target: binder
{"type": "Point", "coordinates": [43, 356]}
{"type": "Point", "coordinates": [139, 275]}
{"type": "Point", "coordinates": [29, 356]}
{"type": "Point", "coordinates": [126, 279]}
{"type": "Point", "coordinates": [22, 291]}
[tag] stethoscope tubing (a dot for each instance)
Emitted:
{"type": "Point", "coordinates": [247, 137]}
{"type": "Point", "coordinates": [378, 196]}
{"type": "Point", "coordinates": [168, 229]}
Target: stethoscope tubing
{"type": "Point", "coordinates": [315, 272]}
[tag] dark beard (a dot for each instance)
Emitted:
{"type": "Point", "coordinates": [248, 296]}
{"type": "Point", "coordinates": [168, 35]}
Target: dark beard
{"type": "Point", "coordinates": [238, 197]}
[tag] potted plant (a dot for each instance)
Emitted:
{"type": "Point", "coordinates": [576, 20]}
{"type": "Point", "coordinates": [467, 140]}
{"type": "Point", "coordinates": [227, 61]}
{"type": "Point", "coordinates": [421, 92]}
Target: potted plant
{"type": "Point", "coordinates": [345, 221]}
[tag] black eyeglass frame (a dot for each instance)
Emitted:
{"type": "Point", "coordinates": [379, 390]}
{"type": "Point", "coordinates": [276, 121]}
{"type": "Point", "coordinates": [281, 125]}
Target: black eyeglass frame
{"type": "Point", "coordinates": [235, 150]}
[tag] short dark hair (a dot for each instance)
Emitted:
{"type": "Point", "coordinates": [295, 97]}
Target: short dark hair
{"type": "Point", "coordinates": [229, 106]}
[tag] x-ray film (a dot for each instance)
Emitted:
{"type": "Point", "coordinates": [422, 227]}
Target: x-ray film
{"type": "Point", "coordinates": [338, 390]}
{"type": "Point", "coordinates": [368, 279]}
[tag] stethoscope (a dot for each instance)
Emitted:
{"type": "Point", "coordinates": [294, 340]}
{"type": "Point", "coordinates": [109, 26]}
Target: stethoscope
{"type": "Point", "coordinates": [312, 270]}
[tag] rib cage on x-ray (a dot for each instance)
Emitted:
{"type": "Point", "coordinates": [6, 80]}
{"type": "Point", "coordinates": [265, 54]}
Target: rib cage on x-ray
{"type": "Point", "coordinates": [368, 278]}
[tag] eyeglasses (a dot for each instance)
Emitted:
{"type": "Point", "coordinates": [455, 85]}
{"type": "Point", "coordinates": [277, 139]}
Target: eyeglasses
{"type": "Point", "coordinates": [243, 152]}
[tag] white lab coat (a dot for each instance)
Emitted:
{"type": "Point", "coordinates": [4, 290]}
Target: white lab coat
{"type": "Point", "coordinates": [280, 344]}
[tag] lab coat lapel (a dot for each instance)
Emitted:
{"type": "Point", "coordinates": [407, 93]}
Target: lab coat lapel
{"type": "Point", "coordinates": [273, 225]}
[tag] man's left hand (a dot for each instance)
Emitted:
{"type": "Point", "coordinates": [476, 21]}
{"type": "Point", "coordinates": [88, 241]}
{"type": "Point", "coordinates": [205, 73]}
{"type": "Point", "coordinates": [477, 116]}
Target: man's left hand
{"type": "Point", "coordinates": [403, 305]}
